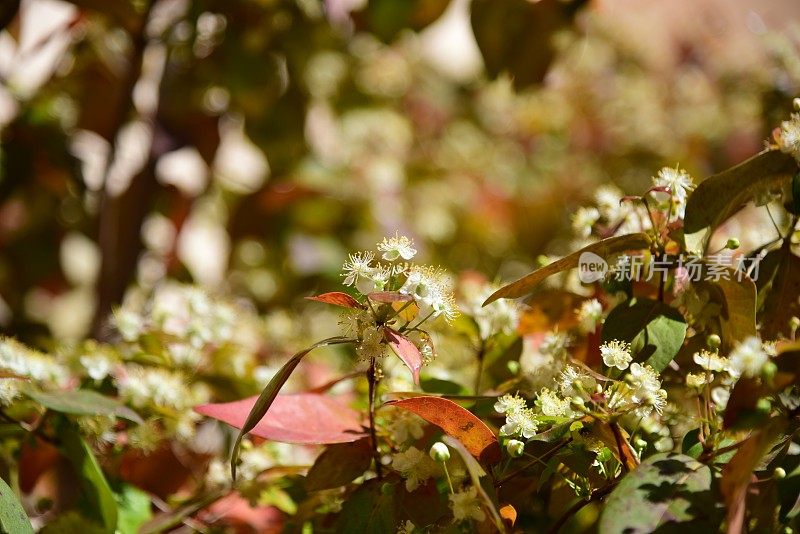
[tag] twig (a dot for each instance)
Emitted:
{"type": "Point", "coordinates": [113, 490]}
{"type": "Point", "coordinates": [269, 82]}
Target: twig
{"type": "Point", "coordinates": [575, 508]}
{"type": "Point", "coordinates": [372, 388]}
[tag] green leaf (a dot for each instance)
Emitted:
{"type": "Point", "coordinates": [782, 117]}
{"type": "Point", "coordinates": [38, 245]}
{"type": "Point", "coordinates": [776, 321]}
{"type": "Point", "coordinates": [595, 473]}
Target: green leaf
{"type": "Point", "coordinates": [603, 248]}
{"type": "Point", "coordinates": [134, 509]}
{"type": "Point", "coordinates": [654, 329]}
{"type": "Point", "coordinates": [369, 509]}
{"type": "Point", "coordinates": [666, 490]}
{"type": "Point", "coordinates": [444, 387]}
{"type": "Point", "coordinates": [339, 464]}
{"type": "Point", "coordinates": [387, 18]}
{"type": "Point", "coordinates": [98, 499]}
{"type": "Point", "coordinates": [269, 393]}
{"type": "Point", "coordinates": [720, 196]}
{"type": "Point", "coordinates": [12, 516]}
{"type": "Point", "coordinates": [81, 402]}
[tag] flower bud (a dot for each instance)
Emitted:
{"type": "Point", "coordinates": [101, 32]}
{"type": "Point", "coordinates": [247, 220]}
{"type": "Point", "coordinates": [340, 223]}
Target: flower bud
{"type": "Point", "coordinates": [769, 370]}
{"type": "Point", "coordinates": [640, 443]}
{"type": "Point", "coordinates": [732, 244]}
{"type": "Point", "coordinates": [513, 367]}
{"type": "Point", "coordinates": [779, 473]}
{"type": "Point", "coordinates": [713, 342]}
{"type": "Point", "coordinates": [794, 323]}
{"type": "Point", "coordinates": [763, 405]}
{"type": "Point", "coordinates": [515, 448]}
{"type": "Point", "coordinates": [439, 452]}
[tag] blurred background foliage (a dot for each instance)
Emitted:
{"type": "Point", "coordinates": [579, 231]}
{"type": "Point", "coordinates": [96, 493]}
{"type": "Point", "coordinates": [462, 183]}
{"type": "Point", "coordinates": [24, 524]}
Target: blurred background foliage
{"type": "Point", "coordinates": [247, 146]}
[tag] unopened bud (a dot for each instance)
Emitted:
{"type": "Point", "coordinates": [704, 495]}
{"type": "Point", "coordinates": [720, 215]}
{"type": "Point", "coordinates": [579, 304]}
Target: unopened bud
{"type": "Point", "coordinates": [713, 342]}
{"type": "Point", "coordinates": [439, 452]}
{"type": "Point", "coordinates": [515, 448]}
{"type": "Point", "coordinates": [779, 473]}
{"type": "Point", "coordinates": [794, 323]}
{"type": "Point", "coordinates": [732, 244]}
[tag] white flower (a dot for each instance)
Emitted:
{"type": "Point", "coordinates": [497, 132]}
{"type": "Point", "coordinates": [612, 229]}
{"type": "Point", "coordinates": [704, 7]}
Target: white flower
{"type": "Point", "coordinates": [415, 466]}
{"type": "Point", "coordinates": [9, 390]}
{"type": "Point", "coordinates": [406, 528]}
{"type": "Point", "coordinates": [607, 198]}
{"type": "Point", "coordinates": [405, 426]}
{"type": "Point", "coordinates": [573, 383]}
{"type": "Point", "coordinates": [720, 396]}
{"type": "Point", "coordinates": [358, 267]}
{"type": "Point", "coordinates": [520, 422]}
{"type": "Point", "coordinates": [501, 315]}
{"type": "Point", "coordinates": [552, 405]}
{"type": "Point", "coordinates": [616, 354]}
{"type": "Point", "coordinates": [711, 361]}
{"type": "Point", "coordinates": [677, 180]}
{"type": "Point", "coordinates": [465, 505]}
{"type": "Point", "coordinates": [698, 380]}
{"type": "Point", "coordinates": [254, 461]}
{"type": "Point", "coordinates": [589, 315]}
{"type": "Point", "coordinates": [646, 387]}
{"type": "Point", "coordinates": [788, 137]}
{"type": "Point", "coordinates": [129, 324]}
{"type": "Point", "coordinates": [371, 345]}
{"type": "Point", "coordinates": [397, 247]}
{"type": "Point", "coordinates": [748, 357]}
{"type": "Point", "coordinates": [555, 344]}
{"type": "Point", "coordinates": [431, 288]}
{"type": "Point", "coordinates": [97, 365]}
{"type": "Point", "coordinates": [583, 220]}
{"type": "Point", "coordinates": [509, 403]}
{"type": "Point", "coordinates": [148, 386]}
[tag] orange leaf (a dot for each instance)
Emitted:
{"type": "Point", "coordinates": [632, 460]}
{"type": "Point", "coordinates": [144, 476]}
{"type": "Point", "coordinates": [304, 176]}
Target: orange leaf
{"type": "Point", "coordinates": [455, 421]}
{"type": "Point", "coordinates": [509, 515]}
{"type": "Point", "coordinates": [387, 297]}
{"type": "Point", "coordinates": [337, 298]}
{"type": "Point", "coordinates": [405, 350]}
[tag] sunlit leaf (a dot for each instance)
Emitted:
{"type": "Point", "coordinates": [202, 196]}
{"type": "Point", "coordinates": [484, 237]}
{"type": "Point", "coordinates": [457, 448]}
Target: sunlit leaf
{"type": "Point", "coordinates": [13, 518]}
{"type": "Point", "coordinates": [267, 396]}
{"type": "Point", "coordinates": [389, 297]}
{"type": "Point", "coordinates": [666, 491]}
{"type": "Point", "coordinates": [308, 418]}
{"type": "Point", "coordinates": [405, 350]}
{"type": "Point", "coordinates": [738, 301]}
{"type": "Point", "coordinates": [720, 196]}
{"type": "Point", "coordinates": [134, 509]}
{"type": "Point", "coordinates": [337, 298]}
{"type": "Point", "coordinates": [604, 248]}
{"type": "Point", "coordinates": [455, 421]}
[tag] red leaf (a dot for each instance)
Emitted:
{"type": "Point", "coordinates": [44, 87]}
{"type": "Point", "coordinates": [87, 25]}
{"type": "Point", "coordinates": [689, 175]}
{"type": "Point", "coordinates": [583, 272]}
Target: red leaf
{"type": "Point", "coordinates": [455, 421]}
{"type": "Point", "coordinates": [306, 418]}
{"type": "Point", "coordinates": [405, 350]}
{"type": "Point", "coordinates": [388, 297]}
{"type": "Point", "coordinates": [337, 298]}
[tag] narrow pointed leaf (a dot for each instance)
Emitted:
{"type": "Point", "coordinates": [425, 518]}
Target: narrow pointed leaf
{"type": "Point", "coordinates": [82, 402]}
{"type": "Point", "coordinates": [604, 249]}
{"type": "Point", "coordinates": [264, 401]}
{"type": "Point", "coordinates": [455, 421]}
{"type": "Point", "coordinates": [405, 350]}
{"type": "Point", "coordinates": [337, 298]}
{"type": "Point", "coordinates": [12, 516]}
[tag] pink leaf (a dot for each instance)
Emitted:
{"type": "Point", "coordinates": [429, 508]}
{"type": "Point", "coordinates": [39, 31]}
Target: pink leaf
{"type": "Point", "coordinates": [337, 298]}
{"type": "Point", "coordinates": [307, 418]}
{"type": "Point", "coordinates": [405, 350]}
{"type": "Point", "coordinates": [388, 297]}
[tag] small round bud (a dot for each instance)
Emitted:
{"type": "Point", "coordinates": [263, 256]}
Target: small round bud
{"type": "Point", "coordinates": [794, 323]}
{"type": "Point", "coordinates": [515, 448]}
{"type": "Point", "coordinates": [439, 452]}
{"type": "Point", "coordinates": [713, 342]}
{"type": "Point", "coordinates": [732, 244]}
{"type": "Point", "coordinates": [578, 401]}
{"type": "Point", "coordinates": [513, 367]}
{"type": "Point", "coordinates": [387, 489]}
{"type": "Point", "coordinates": [779, 473]}
{"type": "Point", "coordinates": [640, 443]}
{"type": "Point", "coordinates": [763, 405]}
{"type": "Point", "coordinates": [796, 104]}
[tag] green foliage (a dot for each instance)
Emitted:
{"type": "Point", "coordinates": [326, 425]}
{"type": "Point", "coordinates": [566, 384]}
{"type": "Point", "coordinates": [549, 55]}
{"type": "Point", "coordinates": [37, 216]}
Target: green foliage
{"type": "Point", "coordinates": [12, 516]}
